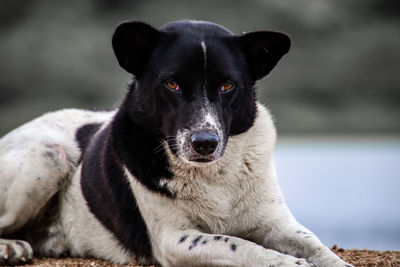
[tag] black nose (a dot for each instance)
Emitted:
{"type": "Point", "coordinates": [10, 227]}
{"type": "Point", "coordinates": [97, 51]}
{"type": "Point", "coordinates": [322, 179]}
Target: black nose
{"type": "Point", "coordinates": [205, 143]}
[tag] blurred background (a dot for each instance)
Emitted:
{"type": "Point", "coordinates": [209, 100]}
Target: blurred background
{"type": "Point", "coordinates": [335, 97]}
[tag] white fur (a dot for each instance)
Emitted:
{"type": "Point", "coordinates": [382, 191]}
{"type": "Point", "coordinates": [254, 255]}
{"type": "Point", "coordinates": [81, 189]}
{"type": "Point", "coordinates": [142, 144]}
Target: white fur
{"type": "Point", "coordinates": [236, 196]}
{"type": "Point", "coordinates": [204, 49]}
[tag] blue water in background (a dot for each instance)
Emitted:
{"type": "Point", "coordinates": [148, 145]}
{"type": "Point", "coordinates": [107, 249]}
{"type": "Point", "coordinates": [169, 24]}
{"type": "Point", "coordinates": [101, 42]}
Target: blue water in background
{"type": "Point", "coordinates": [345, 190]}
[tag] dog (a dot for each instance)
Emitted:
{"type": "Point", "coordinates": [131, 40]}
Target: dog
{"type": "Point", "coordinates": [181, 174]}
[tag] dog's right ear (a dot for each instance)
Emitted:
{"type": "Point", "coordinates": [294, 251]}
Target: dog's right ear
{"type": "Point", "coordinates": [263, 50]}
{"type": "Point", "coordinates": [133, 42]}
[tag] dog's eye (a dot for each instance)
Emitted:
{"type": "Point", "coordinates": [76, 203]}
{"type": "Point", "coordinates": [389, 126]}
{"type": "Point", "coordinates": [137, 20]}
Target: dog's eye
{"type": "Point", "coordinates": [226, 86]}
{"type": "Point", "coordinates": [172, 85]}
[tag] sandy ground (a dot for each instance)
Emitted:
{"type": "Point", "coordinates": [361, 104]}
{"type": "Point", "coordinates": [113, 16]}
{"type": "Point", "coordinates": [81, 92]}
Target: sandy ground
{"type": "Point", "coordinates": [358, 258]}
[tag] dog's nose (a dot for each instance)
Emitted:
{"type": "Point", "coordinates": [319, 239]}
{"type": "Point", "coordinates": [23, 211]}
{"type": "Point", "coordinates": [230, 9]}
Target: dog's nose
{"type": "Point", "coordinates": [205, 143]}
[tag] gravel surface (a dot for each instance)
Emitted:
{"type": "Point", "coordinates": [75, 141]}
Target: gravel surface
{"type": "Point", "coordinates": [359, 258]}
{"type": "Point", "coordinates": [369, 258]}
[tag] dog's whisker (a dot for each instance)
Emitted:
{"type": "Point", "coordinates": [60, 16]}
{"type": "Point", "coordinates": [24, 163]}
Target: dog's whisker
{"type": "Point", "coordinates": [158, 149]}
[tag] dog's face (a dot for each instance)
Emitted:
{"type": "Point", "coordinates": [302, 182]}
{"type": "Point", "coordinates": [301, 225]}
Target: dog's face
{"type": "Point", "coordinates": [195, 81]}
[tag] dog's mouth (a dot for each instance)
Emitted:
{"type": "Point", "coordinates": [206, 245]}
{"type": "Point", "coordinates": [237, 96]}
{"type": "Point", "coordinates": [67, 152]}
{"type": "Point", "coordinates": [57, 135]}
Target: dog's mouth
{"type": "Point", "coordinates": [202, 160]}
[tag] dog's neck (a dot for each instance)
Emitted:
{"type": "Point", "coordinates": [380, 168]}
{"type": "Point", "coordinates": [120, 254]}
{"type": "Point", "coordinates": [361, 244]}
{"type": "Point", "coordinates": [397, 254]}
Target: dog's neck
{"type": "Point", "coordinates": [141, 151]}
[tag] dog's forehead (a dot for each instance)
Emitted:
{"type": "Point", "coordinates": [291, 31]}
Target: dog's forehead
{"type": "Point", "coordinates": [195, 48]}
{"type": "Point", "coordinates": [196, 29]}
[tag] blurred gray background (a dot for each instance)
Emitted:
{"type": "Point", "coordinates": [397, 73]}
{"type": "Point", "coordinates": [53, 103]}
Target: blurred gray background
{"type": "Point", "coordinates": [335, 96]}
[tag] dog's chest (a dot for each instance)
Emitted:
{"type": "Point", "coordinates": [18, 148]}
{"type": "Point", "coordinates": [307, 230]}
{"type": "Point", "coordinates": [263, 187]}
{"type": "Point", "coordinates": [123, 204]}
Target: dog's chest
{"type": "Point", "coordinates": [219, 200]}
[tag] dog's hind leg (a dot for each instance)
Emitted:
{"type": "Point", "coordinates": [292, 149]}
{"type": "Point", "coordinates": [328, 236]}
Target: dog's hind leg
{"type": "Point", "coordinates": [31, 172]}
{"type": "Point", "coordinates": [28, 179]}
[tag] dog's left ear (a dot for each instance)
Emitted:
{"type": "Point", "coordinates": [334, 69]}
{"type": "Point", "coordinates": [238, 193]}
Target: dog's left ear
{"type": "Point", "coordinates": [263, 50]}
{"type": "Point", "coordinates": [133, 42]}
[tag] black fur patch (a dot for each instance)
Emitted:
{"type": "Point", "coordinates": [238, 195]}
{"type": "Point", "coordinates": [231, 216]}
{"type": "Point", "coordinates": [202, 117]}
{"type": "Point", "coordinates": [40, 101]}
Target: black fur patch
{"type": "Point", "coordinates": [217, 237]}
{"type": "Point", "coordinates": [109, 196]}
{"type": "Point", "coordinates": [233, 247]}
{"type": "Point", "coordinates": [195, 242]}
{"type": "Point", "coordinates": [183, 238]}
{"type": "Point", "coordinates": [85, 133]}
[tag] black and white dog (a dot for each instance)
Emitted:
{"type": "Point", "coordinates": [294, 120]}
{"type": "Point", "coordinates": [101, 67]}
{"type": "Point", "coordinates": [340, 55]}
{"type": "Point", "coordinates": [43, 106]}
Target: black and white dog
{"type": "Point", "coordinates": [181, 174]}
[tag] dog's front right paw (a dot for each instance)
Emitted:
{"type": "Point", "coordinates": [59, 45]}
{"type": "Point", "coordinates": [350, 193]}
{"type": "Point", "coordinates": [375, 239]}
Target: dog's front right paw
{"type": "Point", "coordinates": [15, 252]}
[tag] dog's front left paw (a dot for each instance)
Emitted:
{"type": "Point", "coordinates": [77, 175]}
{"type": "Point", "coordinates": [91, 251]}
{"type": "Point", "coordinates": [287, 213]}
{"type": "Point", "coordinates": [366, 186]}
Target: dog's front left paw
{"type": "Point", "coordinates": [15, 252]}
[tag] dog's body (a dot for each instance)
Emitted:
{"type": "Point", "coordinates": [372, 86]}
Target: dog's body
{"type": "Point", "coordinates": [181, 174]}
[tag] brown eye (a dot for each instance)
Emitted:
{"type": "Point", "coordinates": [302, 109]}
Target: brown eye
{"type": "Point", "coordinates": [173, 85]}
{"type": "Point", "coordinates": [226, 86]}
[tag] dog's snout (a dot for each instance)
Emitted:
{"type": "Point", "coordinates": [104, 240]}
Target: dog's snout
{"type": "Point", "coordinates": [205, 143]}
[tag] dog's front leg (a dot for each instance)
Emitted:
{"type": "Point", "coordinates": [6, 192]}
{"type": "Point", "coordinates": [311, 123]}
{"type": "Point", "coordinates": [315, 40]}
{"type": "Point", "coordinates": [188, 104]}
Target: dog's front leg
{"type": "Point", "coordinates": [286, 235]}
{"type": "Point", "coordinates": [194, 248]}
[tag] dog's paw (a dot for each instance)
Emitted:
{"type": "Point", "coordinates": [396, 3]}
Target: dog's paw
{"type": "Point", "coordinates": [327, 258]}
{"type": "Point", "coordinates": [15, 252]}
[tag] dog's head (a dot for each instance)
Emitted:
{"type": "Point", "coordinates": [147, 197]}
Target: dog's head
{"type": "Point", "coordinates": [194, 81]}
